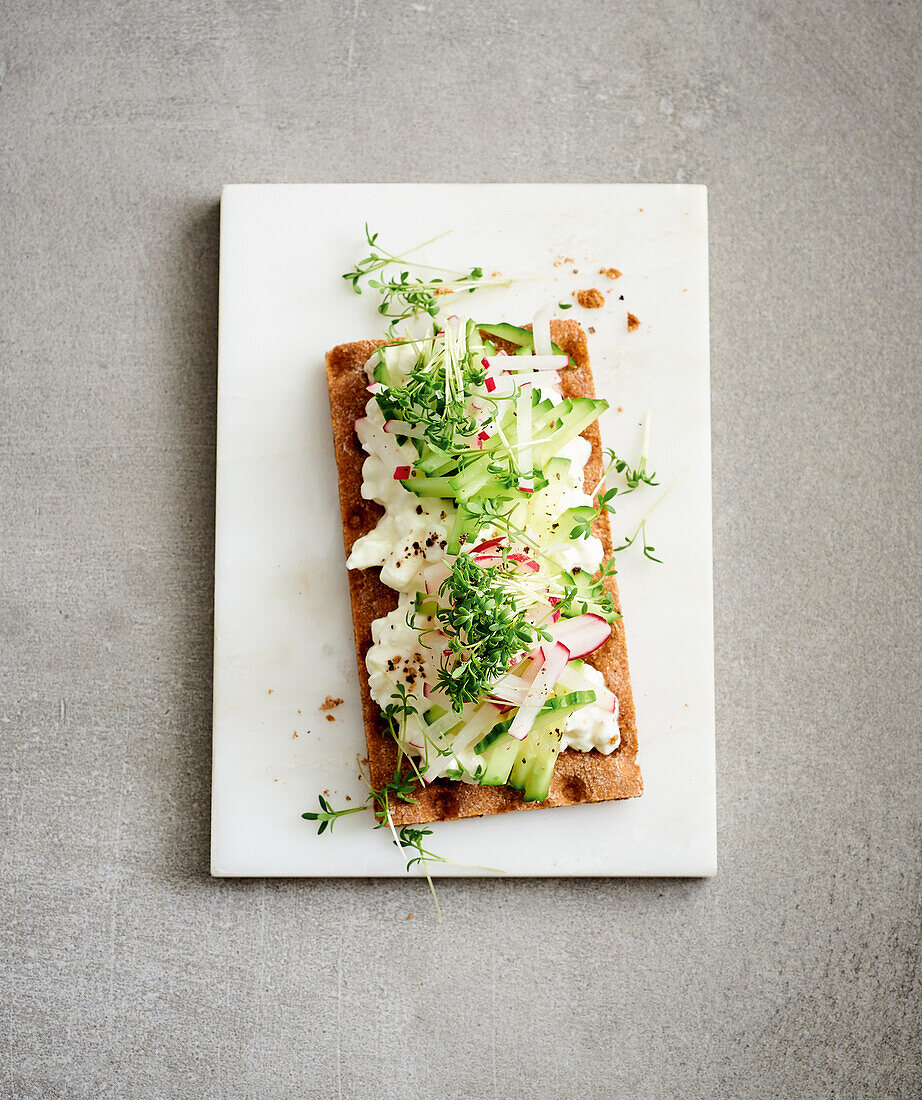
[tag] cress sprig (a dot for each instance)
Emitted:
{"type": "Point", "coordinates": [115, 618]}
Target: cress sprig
{"type": "Point", "coordinates": [586, 515]}
{"type": "Point", "coordinates": [484, 630]}
{"type": "Point", "coordinates": [405, 296]}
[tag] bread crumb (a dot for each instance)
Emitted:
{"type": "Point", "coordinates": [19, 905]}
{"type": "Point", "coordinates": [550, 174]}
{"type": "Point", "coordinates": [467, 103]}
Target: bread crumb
{"type": "Point", "coordinates": [591, 330]}
{"type": "Point", "coordinates": [590, 299]}
{"type": "Point", "coordinates": [330, 718]}
{"type": "Point", "coordinates": [270, 691]}
{"type": "Point", "coordinates": [610, 272]}
{"type": "Point", "coordinates": [568, 260]}
{"type": "Point", "coordinates": [576, 271]}
{"type": "Point", "coordinates": [632, 322]}
{"type": "Point", "coordinates": [409, 916]}
{"type": "Point", "coordinates": [495, 274]}
{"type": "Point", "coordinates": [329, 703]}
{"type": "Point", "coordinates": [348, 797]}
{"type": "Point", "coordinates": [620, 408]}
{"type": "Point", "coordinates": [294, 734]}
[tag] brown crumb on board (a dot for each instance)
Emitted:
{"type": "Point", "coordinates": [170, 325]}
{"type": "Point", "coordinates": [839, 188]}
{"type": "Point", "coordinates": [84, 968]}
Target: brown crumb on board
{"type": "Point", "coordinates": [294, 734]}
{"type": "Point", "coordinates": [270, 691]}
{"type": "Point", "coordinates": [632, 322]}
{"type": "Point", "coordinates": [331, 718]}
{"type": "Point", "coordinates": [329, 703]}
{"type": "Point", "coordinates": [591, 330]}
{"type": "Point", "coordinates": [590, 299]}
{"type": "Point", "coordinates": [610, 272]}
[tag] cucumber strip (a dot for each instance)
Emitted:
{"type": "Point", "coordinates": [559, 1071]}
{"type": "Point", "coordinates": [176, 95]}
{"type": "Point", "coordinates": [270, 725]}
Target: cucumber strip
{"type": "Point", "coordinates": [583, 411]}
{"type": "Point", "coordinates": [512, 334]}
{"type": "Point", "coordinates": [570, 702]}
{"type": "Point", "coordinates": [430, 487]}
{"type": "Point", "coordinates": [499, 761]}
{"type": "Point", "coordinates": [520, 768]}
{"type": "Point", "coordinates": [538, 781]}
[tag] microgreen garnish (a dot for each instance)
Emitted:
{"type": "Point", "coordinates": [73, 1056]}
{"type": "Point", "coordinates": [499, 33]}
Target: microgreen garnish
{"type": "Point", "coordinates": [564, 305]}
{"type": "Point", "coordinates": [586, 515]}
{"type": "Point", "coordinates": [647, 548]}
{"type": "Point", "coordinates": [397, 712]}
{"type": "Point", "coordinates": [436, 394]}
{"type": "Point", "coordinates": [484, 629]}
{"type": "Point", "coordinates": [405, 296]}
{"type": "Point", "coordinates": [328, 816]}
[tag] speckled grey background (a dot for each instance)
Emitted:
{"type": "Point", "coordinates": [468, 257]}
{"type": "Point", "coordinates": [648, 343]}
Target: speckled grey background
{"type": "Point", "coordinates": [127, 971]}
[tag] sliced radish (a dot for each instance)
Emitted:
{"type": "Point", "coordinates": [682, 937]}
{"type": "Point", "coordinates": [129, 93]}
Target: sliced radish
{"type": "Point", "coordinates": [400, 427]}
{"type": "Point", "coordinates": [490, 385]}
{"type": "Point", "coordinates": [488, 545]}
{"type": "Point", "coordinates": [512, 688]}
{"type": "Point", "coordinates": [402, 473]}
{"type": "Point", "coordinates": [530, 563]}
{"type": "Point", "coordinates": [375, 387]}
{"type": "Point", "coordinates": [434, 575]}
{"type": "Point", "coordinates": [581, 635]}
{"type": "Point", "coordinates": [525, 363]}
{"type": "Point", "coordinates": [541, 332]}
{"type": "Point", "coordinates": [555, 661]}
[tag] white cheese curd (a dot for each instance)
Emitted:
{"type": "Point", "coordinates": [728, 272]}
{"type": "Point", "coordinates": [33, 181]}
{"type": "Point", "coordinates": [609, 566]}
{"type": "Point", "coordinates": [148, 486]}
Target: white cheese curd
{"type": "Point", "coordinates": [412, 534]}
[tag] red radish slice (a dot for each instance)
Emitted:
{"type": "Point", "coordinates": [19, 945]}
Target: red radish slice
{"type": "Point", "coordinates": [513, 689]}
{"type": "Point", "coordinates": [401, 473]}
{"type": "Point", "coordinates": [434, 575]}
{"type": "Point", "coordinates": [400, 427]}
{"type": "Point", "coordinates": [523, 560]}
{"type": "Point", "coordinates": [555, 661]}
{"type": "Point", "coordinates": [488, 545]}
{"type": "Point", "coordinates": [581, 635]}
{"type": "Point", "coordinates": [375, 387]}
{"type": "Point", "coordinates": [490, 385]}
{"type": "Point", "coordinates": [484, 436]}
{"type": "Point", "coordinates": [519, 363]}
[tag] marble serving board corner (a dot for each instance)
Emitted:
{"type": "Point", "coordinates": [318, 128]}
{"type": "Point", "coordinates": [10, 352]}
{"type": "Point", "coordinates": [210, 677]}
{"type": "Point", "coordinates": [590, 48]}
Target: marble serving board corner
{"type": "Point", "coordinates": [283, 630]}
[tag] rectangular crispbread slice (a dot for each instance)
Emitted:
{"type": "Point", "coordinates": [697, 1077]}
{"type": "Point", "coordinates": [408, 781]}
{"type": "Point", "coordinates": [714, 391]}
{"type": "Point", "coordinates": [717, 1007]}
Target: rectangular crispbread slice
{"type": "Point", "coordinates": [578, 776]}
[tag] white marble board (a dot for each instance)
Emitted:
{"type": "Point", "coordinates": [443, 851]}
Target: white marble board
{"type": "Point", "coordinates": [283, 632]}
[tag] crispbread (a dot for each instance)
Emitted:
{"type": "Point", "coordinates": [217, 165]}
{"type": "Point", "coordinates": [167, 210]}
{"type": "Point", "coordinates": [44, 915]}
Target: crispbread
{"type": "Point", "coordinates": [578, 776]}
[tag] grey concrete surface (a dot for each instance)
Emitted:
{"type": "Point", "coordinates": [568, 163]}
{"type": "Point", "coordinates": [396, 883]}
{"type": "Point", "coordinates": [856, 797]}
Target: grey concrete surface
{"type": "Point", "coordinates": [127, 971]}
